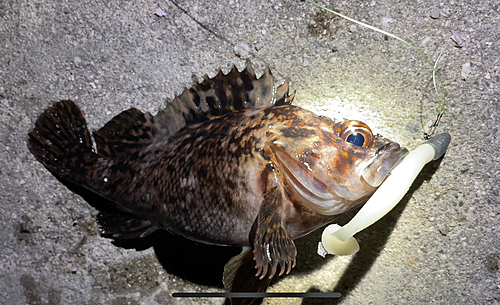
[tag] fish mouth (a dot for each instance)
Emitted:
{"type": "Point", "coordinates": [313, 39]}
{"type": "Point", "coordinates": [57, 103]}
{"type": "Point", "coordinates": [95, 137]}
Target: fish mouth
{"type": "Point", "coordinates": [386, 158]}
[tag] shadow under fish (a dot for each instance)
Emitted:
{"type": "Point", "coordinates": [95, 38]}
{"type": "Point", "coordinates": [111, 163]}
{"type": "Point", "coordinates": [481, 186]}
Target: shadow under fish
{"type": "Point", "coordinates": [230, 161]}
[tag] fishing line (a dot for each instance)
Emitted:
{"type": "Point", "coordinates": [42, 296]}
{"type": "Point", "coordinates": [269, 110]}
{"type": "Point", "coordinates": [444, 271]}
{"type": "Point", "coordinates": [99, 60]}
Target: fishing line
{"type": "Point", "coordinates": [431, 128]}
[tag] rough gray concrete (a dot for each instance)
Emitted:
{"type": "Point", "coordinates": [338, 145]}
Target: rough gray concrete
{"type": "Point", "coordinates": [439, 246]}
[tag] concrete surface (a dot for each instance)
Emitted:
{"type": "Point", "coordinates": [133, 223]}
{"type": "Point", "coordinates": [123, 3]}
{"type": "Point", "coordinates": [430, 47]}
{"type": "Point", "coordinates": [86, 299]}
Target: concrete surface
{"type": "Point", "coordinates": [439, 246]}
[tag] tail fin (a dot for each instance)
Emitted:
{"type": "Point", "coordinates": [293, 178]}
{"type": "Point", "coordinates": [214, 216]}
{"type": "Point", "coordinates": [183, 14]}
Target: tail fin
{"type": "Point", "coordinates": [62, 142]}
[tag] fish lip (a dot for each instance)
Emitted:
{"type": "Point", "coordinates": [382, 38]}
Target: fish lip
{"type": "Point", "coordinates": [393, 147]}
{"type": "Point", "coordinates": [397, 152]}
{"type": "Point", "coordinates": [385, 146]}
{"type": "Point", "coordinates": [401, 154]}
{"type": "Point", "coordinates": [387, 157]}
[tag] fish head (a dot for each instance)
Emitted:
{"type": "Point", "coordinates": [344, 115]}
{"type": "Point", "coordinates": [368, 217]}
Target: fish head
{"type": "Point", "coordinates": [339, 168]}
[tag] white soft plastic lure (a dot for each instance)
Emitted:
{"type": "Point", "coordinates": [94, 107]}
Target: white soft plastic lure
{"type": "Point", "coordinates": [339, 240]}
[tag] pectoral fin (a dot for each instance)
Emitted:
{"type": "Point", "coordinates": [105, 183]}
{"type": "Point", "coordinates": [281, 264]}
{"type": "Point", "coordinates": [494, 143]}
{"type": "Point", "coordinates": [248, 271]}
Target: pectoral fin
{"type": "Point", "coordinates": [272, 243]}
{"type": "Point", "coordinates": [272, 246]}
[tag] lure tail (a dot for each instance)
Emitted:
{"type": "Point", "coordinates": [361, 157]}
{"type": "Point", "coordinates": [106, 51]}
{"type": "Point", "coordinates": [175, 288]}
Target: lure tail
{"type": "Point", "coordinates": [62, 142]}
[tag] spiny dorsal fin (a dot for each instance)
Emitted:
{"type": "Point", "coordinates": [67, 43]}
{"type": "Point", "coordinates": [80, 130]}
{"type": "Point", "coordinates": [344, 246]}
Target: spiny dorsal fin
{"type": "Point", "coordinates": [282, 95]}
{"type": "Point", "coordinates": [222, 94]}
{"type": "Point", "coordinates": [132, 130]}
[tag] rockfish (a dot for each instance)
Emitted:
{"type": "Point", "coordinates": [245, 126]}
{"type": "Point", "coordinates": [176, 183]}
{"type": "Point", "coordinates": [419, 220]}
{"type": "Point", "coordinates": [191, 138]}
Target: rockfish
{"type": "Point", "coordinates": [230, 161]}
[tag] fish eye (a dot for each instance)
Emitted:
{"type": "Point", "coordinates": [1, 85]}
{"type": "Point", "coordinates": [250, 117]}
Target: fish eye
{"type": "Point", "coordinates": [356, 133]}
{"type": "Point", "coordinates": [356, 139]}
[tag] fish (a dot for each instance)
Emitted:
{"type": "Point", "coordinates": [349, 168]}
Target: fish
{"type": "Point", "coordinates": [230, 161]}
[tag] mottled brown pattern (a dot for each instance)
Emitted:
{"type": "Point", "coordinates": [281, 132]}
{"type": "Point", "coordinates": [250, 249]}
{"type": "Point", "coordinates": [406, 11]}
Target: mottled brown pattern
{"type": "Point", "coordinates": [215, 163]}
{"type": "Point", "coordinates": [229, 162]}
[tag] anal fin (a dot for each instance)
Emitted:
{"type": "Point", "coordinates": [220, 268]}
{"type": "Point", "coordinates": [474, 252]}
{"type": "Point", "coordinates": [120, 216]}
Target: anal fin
{"type": "Point", "coordinates": [239, 276]}
{"type": "Point", "coordinates": [121, 225]}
